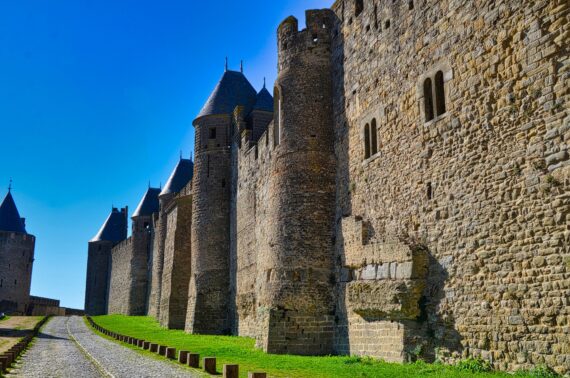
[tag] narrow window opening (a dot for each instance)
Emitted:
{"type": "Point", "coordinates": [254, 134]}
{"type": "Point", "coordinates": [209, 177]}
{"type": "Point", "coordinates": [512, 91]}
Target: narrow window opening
{"type": "Point", "coordinates": [358, 7]}
{"type": "Point", "coordinates": [212, 133]}
{"type": "Point", "coordinates": [277, 128]}
{"type": "Point", "coordinates": [146, 225]}
{"type": "Point", "coordinates": [223, 183]}
{"type": "Point", "coordinates": [366, 141]}
{"type": "Point", "coordinates": [315, 38]}
{"type": "Point", "coordinates": [428, 100]}
{"type": "Point", "coordinates": [376, 16]}
{"type": "Point", "coordinates": [374, 137]}
{"type": "Point", "coordinates": [429, 191]}
{"type": "Point", "coordinates": [439, 93]}
{"type": "Point", "coordinates": [208, 166]}
{"type": "Point", "coordinates": [1, 282]}
{"type": "Point", "coordinates": [15, 282]}
{"type": "Point", "coordinates": [387, 24]}
{"type": "Point", "coordinates": [410, 5]}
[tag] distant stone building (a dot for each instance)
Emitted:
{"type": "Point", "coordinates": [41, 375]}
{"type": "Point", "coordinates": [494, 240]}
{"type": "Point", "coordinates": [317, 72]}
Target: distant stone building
{"type": "Point", "coordinates": [16, 259]}
{"type": "Point", "coordinates": [403, 194]}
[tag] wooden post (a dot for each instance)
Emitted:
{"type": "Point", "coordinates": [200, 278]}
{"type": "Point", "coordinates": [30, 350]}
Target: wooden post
{"type": "Point", "coordinates": [162, 350]}
{"type": "Point", "coordinates": [194, 360]}
{"type": "Point", "coordinates": [256, 374]}
{"type": "Point", "coordinates": [210, 365]}
{"type": "Point", "coordinates": [171, 353]}
{"type": "Point", "coordinates": [146, 345]}
{"type": "Point", "coordinates": [154, 348]}
{"type": "Point", "coordinates": [183, 356]}
{"type": "Point", "coordinates": [231, 371]}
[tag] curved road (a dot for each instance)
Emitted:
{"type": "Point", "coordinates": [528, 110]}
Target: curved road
{"type": "Point", "coordinates": [66, 347]}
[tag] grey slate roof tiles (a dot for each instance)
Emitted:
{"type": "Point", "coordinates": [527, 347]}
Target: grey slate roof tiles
{"type": "Point", "coordinates": [114, 229]}
{"type": "Point", "coordinates": [181, 175]}
{"type": "Point", "coordinates": [10, 217]}
{"type": "Point", "coordinates": [232, 90]}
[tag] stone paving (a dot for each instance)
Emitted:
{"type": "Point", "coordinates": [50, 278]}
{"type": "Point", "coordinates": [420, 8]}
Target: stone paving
{"type": "Point", "coordinates": [66, 347]}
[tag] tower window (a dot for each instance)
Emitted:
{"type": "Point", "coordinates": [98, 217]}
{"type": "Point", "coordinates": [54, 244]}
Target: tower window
{"type": "Point", "coordinates": [358, 7]}
{"type": "Point", "coordinates": [428, 100]}
{"type": "Point", "coordinates": [212, 133]}
{"type": "Point", "coordinates": [366, 141]}
{"type": "Point", "coordinates": [429, 191]}
{"type": "Point", "coordinates": [439, 93]}
{"type": "Point", "coordinates": [410, 4]}
{"type": "Point", "coordinates": [277, 128]}
{"type": "Point", "coordinates": [434, 96]}
{"type": "Point", "coordinates": [374, 142]}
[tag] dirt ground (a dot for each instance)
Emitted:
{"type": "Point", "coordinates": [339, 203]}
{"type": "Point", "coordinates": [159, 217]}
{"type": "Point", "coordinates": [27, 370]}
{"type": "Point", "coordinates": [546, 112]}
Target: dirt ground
{"type": "Point", "coordinates": [14, 328]}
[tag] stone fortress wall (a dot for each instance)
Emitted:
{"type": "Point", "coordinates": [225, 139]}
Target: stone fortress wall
{"type": "Point", "coordinates": [16, 260]}
{"type": "Point", "coordinates": [407, 198]}
{"type": "Point", "coordinates": [480, 184]}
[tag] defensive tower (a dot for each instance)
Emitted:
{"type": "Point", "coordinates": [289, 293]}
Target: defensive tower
{"type": "Point", "coordinates": [209, 282]}
{"type": "Point", "coordinates": [141, 244]}
{"type": "Point", "coordinates": [16, 258]}
{"type": "Point", "coordinates": [113, 231]}
{"type": "Point", "coordinates": [295, 274]}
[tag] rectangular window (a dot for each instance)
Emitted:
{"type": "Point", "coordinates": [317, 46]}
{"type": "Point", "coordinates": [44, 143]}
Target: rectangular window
{"type": "Point", "coordinates": [212, 133]}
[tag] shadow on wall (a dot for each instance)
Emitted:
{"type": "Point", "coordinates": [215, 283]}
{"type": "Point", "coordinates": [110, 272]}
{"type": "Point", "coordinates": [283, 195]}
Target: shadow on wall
{"type": "Point", "coordinates": [431, 335]}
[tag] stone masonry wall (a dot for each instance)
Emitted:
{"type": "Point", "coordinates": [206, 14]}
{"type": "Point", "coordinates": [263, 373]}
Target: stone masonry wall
{"type": "Point", "coordinates": [98, 277]}
{"type": "Point", "coordinates": [483, 186]}
{"type": "Point", "coordinates": [177, 264]}
{"type": "Point", "coordinates": [120, 280]}
{"type": "Point", "coordinates": [16, 260]}
{"type": "Point", "coordinates": [209, 289]}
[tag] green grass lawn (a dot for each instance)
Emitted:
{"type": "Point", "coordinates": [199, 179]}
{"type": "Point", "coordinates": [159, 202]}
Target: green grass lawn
{"type": "Point", "coordinates": [241, 350]}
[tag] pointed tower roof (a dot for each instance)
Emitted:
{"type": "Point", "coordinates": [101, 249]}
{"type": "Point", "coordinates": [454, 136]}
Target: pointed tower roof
{"type": "Point", "coordinates": [232, 90]}
{"type": "Point", "coordinates": [115, 227]}
{"type": "Point", "coordinates": [148, 204]}
{"type": "Point", "coordinates": [10, 217]}
{"type": "Point", "coordinates": [264, 101]}
{"type": "Point", "coordinates": [181, 175]}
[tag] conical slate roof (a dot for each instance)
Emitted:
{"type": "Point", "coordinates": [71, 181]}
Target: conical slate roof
{"type": "Point", "coordinates": [181, 175]}
{"type": "Point", "coordinates": [264, 101]}
{"type": "Point", "coordinates": [149, 203]}
{"type": "Point", "coordinates": [115, 227]}
{"type": "Point", "coordinates": [232, 90]}
{"type": "Point", "coordinates": [10, 217]}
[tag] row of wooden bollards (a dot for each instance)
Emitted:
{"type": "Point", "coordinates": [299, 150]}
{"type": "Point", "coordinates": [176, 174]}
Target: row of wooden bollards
{"type": "Point", "coordinates": [9, 357]}
{"type": "Point", "coordinates": [184, 356]}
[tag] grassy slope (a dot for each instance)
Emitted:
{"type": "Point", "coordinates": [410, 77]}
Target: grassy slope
{"type": "Point", "coordinates": [241, 350]}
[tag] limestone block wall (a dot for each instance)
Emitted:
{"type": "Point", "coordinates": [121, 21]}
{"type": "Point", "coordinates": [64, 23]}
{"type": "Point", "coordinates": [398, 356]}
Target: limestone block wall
{"type": "Point", "coordinates": [16, 260]}
{"type": "Point", "coordinates": [209, 289]}
{"type": "Point", "coordinates": [157, 257]}
{"type": "Point", "coordinates": [177, 263]}
{"type": "Point", "coordinates": [98, 277]}
{"type": "Point", "coordinates": [483, 185]}
{"type": "Point", "coordinates": [120, 282]}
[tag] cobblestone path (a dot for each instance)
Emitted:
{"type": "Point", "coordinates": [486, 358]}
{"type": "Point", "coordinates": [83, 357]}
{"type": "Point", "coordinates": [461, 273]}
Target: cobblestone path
{"type": "Point", "coordinates": [66, 347]}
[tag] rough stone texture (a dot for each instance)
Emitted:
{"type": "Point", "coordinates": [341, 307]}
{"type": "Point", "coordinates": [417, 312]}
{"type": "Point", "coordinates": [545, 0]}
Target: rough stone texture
{"type": "Point", "coordinates": [157, 257]}
{"type": "Point", "coordinates": [210, 282]}
{"type": "Point", "coordinates": [16, 261]}
{"type": "Point", "coordinates": [129, 271]}
{"type": "Point", "coordinates": [484, 186]}
{"type": "Point", "coordinates": [177, 264]}
{"type": "Point", "coordinates": [98, 277]}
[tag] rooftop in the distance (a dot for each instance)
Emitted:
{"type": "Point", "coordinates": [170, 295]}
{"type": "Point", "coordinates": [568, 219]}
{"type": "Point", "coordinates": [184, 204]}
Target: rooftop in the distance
{"type": "Point", "coordinates": [115, 227]}
{"type": "Point", "coordinates": [181, 176]}
{"type": "Point", "coordinates": [10, 219]}
{"type": "Point", "coordinates": [149, 203]}
{"type": "Point", "coordinates": [232, 90]}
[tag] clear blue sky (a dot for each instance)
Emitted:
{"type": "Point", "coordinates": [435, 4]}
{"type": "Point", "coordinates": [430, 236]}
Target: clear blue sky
{"type": "Point", "coordinates": [97, 98]}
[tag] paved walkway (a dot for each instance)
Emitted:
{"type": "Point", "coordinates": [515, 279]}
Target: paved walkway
{"type": "Point", "coordinates": [66, 347]}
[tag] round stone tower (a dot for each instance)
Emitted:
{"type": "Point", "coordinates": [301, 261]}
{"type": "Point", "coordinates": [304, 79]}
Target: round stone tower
{"type": "Point", "coordinates": [209, 287]}
{"type": "Point", "coordinates": [16, 259]}
{"type": "Point", "coordinates": [295, 268]}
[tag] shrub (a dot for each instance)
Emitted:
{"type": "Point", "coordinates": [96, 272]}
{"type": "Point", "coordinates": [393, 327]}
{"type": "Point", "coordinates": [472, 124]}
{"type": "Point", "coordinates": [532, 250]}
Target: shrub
{"type": "Point", "coordinates": [474, 365]}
